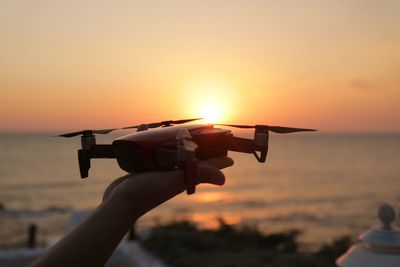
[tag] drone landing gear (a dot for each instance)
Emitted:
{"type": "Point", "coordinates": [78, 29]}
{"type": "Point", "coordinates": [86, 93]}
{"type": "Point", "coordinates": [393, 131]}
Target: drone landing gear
{"type": "Point", "coordinates": [186, 157]}
{"type": "Point", "coordinates": [95, 152]}
{"type": "Point", "coordinates": [258, 147]}
{"type": "Point", "coordinates": [261, 139]}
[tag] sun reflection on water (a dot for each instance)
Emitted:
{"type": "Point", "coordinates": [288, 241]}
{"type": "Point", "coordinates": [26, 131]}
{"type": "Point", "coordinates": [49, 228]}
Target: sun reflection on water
{"type": "Point", "coordinates": [212, 197]}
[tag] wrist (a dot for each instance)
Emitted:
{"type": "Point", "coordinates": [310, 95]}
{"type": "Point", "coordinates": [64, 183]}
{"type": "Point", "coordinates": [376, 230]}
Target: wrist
{"type": "Point", "coordinates": [125, 208]}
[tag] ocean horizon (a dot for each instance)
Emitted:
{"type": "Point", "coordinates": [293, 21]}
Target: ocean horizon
{"type": "Point", "coordinates": [324, 184]}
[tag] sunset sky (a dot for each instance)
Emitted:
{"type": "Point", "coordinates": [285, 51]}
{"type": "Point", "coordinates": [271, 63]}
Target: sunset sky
{"type": "Point", "coordinates": [331, 65]}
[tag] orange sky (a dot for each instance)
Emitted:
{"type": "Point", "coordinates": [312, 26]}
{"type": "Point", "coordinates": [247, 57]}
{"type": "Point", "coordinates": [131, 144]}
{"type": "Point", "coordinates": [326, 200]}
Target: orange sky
{"type": "Point", "coordinates": [331, 65]}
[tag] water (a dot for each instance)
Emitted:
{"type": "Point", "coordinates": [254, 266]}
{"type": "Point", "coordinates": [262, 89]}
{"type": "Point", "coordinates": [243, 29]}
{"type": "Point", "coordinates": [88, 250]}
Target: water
{"type": "Point", "coordinates": [324, 185]}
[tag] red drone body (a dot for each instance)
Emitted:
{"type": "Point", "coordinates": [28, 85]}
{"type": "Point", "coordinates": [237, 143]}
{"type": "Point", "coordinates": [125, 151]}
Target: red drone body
{"type": "Point", "coordinates": [173, 147]}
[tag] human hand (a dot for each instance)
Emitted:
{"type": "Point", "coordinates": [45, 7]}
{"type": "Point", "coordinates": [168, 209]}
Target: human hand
{"type": "Point", "coordinates": [139, 193]}
{"type": "Point", "coordinates": [124, 201]}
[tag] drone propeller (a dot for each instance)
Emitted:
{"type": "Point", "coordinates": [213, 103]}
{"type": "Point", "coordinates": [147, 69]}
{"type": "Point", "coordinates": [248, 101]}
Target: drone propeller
{"type": "Point", "coordinates": [275, 129]}
{"type": "Point", "coordinates": [163, 123]}
{"type": "Point", "coordinates": [87, 132]}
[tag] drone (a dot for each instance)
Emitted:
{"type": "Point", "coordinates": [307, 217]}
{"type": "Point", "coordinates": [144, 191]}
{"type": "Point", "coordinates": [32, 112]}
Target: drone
{"type": "Point", "coordinates": [168, 145]}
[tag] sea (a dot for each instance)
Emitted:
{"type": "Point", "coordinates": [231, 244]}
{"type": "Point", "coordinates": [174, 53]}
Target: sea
{"type": "Point", "coordinates": [324, 185]}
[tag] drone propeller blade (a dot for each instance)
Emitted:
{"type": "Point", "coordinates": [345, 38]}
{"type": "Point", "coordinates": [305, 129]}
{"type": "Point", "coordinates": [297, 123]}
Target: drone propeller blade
{"type": "Point", "coordinates": [163, 123]}
{"type": "Point", "coordinates": [275, 129]}
{"type": "Point", "coordinates": [155, 124]}
{"type": "Point", "coordinates": [282, 130]}
{"type": "Point", "coordinates": [73, 134]}
{"type": "Point", "coordinates": [103, 131]}
{"type": "Point", "coordinates": [237, 126]}
{"type": "Point", "coordinates": [185, 121]}
{"type": "Point", "coordinates": [150, 125]}
{"type": "Point", "coordinates": [131, 127]}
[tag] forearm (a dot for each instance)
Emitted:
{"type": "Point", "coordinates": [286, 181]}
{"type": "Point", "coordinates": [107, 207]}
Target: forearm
{"type": "Point", "coordinates": [94, 240]}
{"type": "Point", "coordinates": [92, 243]}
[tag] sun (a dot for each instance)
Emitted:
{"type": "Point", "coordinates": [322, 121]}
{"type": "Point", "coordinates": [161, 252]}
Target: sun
{"type": "Point", "coordinates": [210, 99]}
{"type": "Point", "coordinates": [211, 113]}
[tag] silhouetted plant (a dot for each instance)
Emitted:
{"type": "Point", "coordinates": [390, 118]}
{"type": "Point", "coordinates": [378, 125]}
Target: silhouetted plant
{"type": "Point", "coordinates": [182, 243]}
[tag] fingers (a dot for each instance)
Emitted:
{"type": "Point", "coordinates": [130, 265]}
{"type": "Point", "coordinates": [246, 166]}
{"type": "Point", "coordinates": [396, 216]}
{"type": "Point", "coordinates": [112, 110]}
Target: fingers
{"type": "Point", "coordinates": [142, 192]}
{"type": "Point", "coordinates": [165, 185]}
{"type": "Point", "coordinates": [220, 163]}
{"type": "Point", "coordinates": [209, 170]}
{"type": "Point", "coordinates": [210, 174]}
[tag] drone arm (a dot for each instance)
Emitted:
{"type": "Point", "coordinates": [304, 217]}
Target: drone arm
{"type": "Point", "coordinates": [102, 151]}
{"type": "Point", "coordinates": [259, 144]}
{"type": "Point", "coordinates": [95, 151]}
{"type": "Point", "coordinates": [241, 145]}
